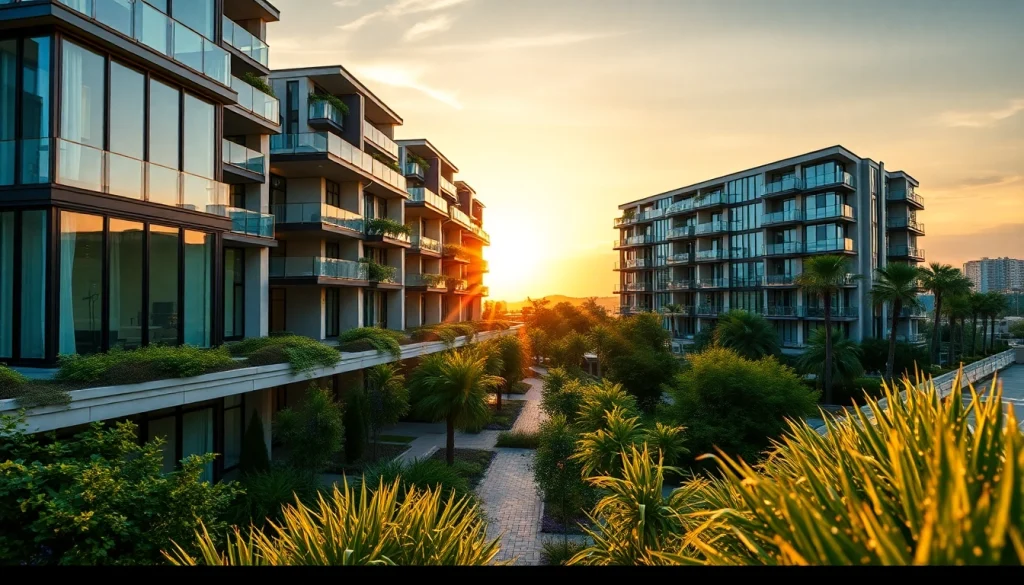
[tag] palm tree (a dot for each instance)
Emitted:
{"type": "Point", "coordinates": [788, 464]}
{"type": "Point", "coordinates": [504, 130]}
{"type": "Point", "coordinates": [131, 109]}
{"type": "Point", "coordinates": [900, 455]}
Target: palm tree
{"type": "Point", "coordinates": [748, 334]}
{"type": "Point", "coordinates": [453, 387]}
{"type": "Point", "coordinates": [994, 305]}
{"type": "Point", "coordinates": [387, 399]}
{"type": "Point", "coordinates": [822, 276]}
{"type": "Point", "coordinates": [958, 308]}
{"type": "Point", "coordinates": [491, 352]}
{"type": "Point", "coordinates": [977, 304]}
{"type": "Point", "coordinates": [895, 284]}
{"type": "Point", "coordinates": [845, 354]}
{"type": "Point", "coordinates": [943, 281]}
{"type": "Point", "coordinates": [601, 338]}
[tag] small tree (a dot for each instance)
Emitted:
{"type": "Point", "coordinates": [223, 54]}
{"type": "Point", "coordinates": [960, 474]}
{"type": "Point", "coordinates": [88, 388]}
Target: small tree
{"type": "Point", "coordinates": [314, 433]}
{"type": "Point", "coordinates": [896, 284]}
{"type": "Point", "coordinates": [512, 351]}
{"type": "Point", "coordinates": [845, 354]}
{"type": "Point", "coordinates": [387, 398]}
{"type": "Point", "coordinates": [558, 475]}
{"type": "Point", "coordinates": [254, 457]}
{"type": "Point", "coordinates": [748, 334]}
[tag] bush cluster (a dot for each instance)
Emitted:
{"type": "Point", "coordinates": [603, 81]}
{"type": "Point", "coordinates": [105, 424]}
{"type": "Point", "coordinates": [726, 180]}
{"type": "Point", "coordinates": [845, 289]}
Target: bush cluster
{"type": "Point", "coordinates": [370, 338]}
{"type": "Point", "coordinates": [118, 367]}
{"type": "Point", "coordinates": [302, 353]}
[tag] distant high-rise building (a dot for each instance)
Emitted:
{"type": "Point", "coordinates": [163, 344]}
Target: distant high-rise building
{"type": "Point", "coordinates": [996, 274]}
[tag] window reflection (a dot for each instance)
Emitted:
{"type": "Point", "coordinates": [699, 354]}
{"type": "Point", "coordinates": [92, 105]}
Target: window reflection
{"type": "Point", "coordinates": [126, 248]}
{"type": "Point", "coordinates": [164, 114]}
{"type": "Point", "coordinates": [163, 285]}
{"type": "Point", "coordinates": [198, 288]}
{"type": "Point", "coordinates": [81, 283]}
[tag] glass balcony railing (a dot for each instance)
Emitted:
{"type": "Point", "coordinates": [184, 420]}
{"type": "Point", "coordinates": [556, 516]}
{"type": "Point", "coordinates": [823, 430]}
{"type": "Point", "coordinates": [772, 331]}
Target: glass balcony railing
{"type": "Point", "coordinates": [906, 252]}
{"type": "Point", "coordinates": [90, 168]}
{"type": "Point", "coordinates": [318, 268]}
{"type": "Point", "coordinates": [633, 287]}
{"type": "Point", "coordinates": [713, 283]}
{"type": "Point", "coordinates": [678, 259]}
{"type": "Point", "coordinates": [708, 310]}
{"type": "Point", "coordinates": [903, 195]}
{"type": "Point", "coordinates": [247, 43]}
{"type": "Point", "coordinates": [782, 186]}
{"type": "Point", "coordinates": [427, 280]}
{"type": "Point", "coordinates": [685, 231]}
{"type": "Point", "coordinates": [448, 186]}
{"type": "Point", "coordinates": [255, 101]}
{"type": "Point", "coordinates": [634, 309]}
{"type": "Point", "coordinates": [784, 248]}
{"type": "Point", "coordinates": [679, 285]}
{"type": "Point", "coordinates": [634, 263]}
{"type": "Point", "coordinates": [785, 216]}
{"type": "Point", "coordinates": [708, 200]}
{"type": "Point", "coordinates": [144, 24]}
{"type": "Point", "coordinates": [904, 223]}
{"type": "Point", "coordinates": [461, 217]}
{"type": "Point", "coordinates": [782, 311]}
{"type": "Point", "coordinates": [457, 284]}
{"type": "Point", "coordinates": [321, 213]}
{"type": "Point", "coordinates": [379, 139]}
{"type": "Point", "coordinates": [332, 144]}
{"type": "Point", "coordinates": [705, 255]}
{"type": "Point", "coordinates": [829, 212]}
{"type": "Point", "coordinates": [251, 223]}
{"type": "Point", "coordinates": [424, 195]}
{"type": "Point", "coordinates": [711, 228]}
{"type": "Point", "coordinates": [780, 280]}
{"type": "Point", "coordinates": [822, 246]}
{"type": "Point", "coordinates": [680, 207]}
{"type": "Point", "coordinates": [836, 312]}
{"type": "Point", "coordinates": [828, 180]}
{"type": "Point", "coordinates": [239, 156]}
{"type": "Point", "coordinates": [425, 243]}
{"type": "Point", "coordinates": [323, 110]}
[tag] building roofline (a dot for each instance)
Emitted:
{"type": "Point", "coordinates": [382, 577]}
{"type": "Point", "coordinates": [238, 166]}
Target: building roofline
{"type": "Point", "coordinates": [468, 187]}
{"type": "Point", "coordinates": [430, 145]}
{"type": "Point", "coordinates": [337, 70]}
{"type": "Point", "coordinates": [837, 149]}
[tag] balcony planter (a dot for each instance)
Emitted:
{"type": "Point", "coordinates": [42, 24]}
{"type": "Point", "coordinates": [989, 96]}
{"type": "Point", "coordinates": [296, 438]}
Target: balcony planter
{"type": "Point", "coordinates": [422, 162]}
{"type": "Point", "coordinates": [385, 226]}
{"type": "Point", "coordinates": [259, 83]}
{"type": "Point", "coordinates": [331, 99]}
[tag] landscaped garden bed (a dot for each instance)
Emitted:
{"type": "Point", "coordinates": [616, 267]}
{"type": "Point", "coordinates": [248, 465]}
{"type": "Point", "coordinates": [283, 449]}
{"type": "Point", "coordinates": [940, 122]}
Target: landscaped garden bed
{"type": "Point", "coordinates": [471, 464]}
{"type": "Point", "coordinates": [504, 419]}
{"type": "Point", "coordinates": [385, 452]}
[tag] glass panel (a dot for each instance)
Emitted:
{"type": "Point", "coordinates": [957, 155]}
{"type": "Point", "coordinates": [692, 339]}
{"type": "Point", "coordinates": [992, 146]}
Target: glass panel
{"type": "Point", "coordinates": [216, 62]}
{"type": "Point", "coordinates": [117, 14]}
{"type": "Point", "coordinates": [127, 111]}
{"type": "Point", "coordinates": [80, 166]}
{"type": "Point", "coordinates": [234, 280]}
{"type": "Point", "coordinates": [153, 28]}
{"type": "Point", "coordinates": [188, 47]}
{"type": "Point", "coordinates": [124, 176]}
{"type": "Point", "coordinates": [35, 111]}
{"type": "Point", "coordinates": [198, 288]}
{"type": "Point", "coordinates": [162, 186]}
{"type": "Point", "coordinates": [166, 429]}
{"type": "Point", "coordinates": [200, 128]}
{"type": "Point", "coordinates": [232, 437]}
{"type": "Point", "coordinates": [81, 283]}
{"type": "Point", "coordinates": [164, 113]}
{"type": "Point", "coordinates": [6, 282]}
{"type": "Point", "coordinates": [197, 438]}
{"type": "Point", "coordinates": [198, 194]}
{"type": "Point", "coordinates": [126, 245]}
{"type": "Point", "coordinates": [163, 285]}
{"type": "Point", "coordinates": [8, 96]}
{"type": "Point", "coordinates": [33, 284]}
{"type": "Point", "coordinates": [196, 14]}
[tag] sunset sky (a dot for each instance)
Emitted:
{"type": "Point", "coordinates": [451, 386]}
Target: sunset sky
{"type": "Point", "coordinates": [557, 111]}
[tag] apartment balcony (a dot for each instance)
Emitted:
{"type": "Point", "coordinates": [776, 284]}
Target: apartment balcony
{"type": "Point", "coordinates": [382, 276]}
{"type": "Point", "coordinates": [678, 233]}
{"type": "Point", "coordinates": [780, 280]}
{"type": "Point", "coordinates": [915, 338]}
{"type": "Point", "coordinates": [838, 313]}
{"type": "Point", "coordinates": [457, 286]}
{"type": "Point", "coordinates": [246, 45]}
{"type": "Point", "coordinates": [782, 312]}
{"type": "Point", "coordinates": [380, 140]}
{"type": "Point", "coordinates": [782, 187]}
{"type": "Point", "coordinates": [421, 197]}
{"type": "Point", "coordinates": [415, 171]}
{"type": "Point", "coordinates": [632, 241]}
{"type": "Point", "coordinates": [448, 187]}
{"type": "Point", "coordinates": [911, 198]}
{"type": "Point", "coordinates": [831, 212]}
{"type": "Point", "coordinates": [322, 216]}
{"type": "Point", "coordinates": [905, 223]}
{"type": "Point", "coordinates": [679, 207]}
{"type": "Point", "coordinates": [323, 114]}
{"type": "Point", "coordinates": [906, 253]}
{"type": "Point", "coordinates": [254, 111]}
{"type": "Point", "coordinates": [683, 258]}
{"type": "Point", "coordinates": [678, 311]}
{"type": "Point", "coordinates": [479, 233]}
{"type": "Point", "coordinates": [98, 170]}
{"type": "Point", "coordinates": [714, 227]}
{"type": "Point", "coordinates": [676, 285]}
{"type": "Point", "coordinates": [460, 216]}
{"type": "Point", "coordinates": [633, 264]}
{"type": "Point", "coordinates": [302, 155]}
{"type": "Point", "coordinates": [247, 165]}
{"type": "Point", "coordinates": [706, 283]}
{"type": "Point", "coordinates": [708, 311]}
{"type": "Point", "coordinates": [377, 232]}
{"type": "Point", "coordinates": [784, 249]}
{"type": "Point", "coordinates": [838, 246]}
{"type": "Point", "coordinates": [145, 25]}
{"type": "Point", "coordinates": [483, 291]}
{"type": "Point", "coordinates": [625, 220]}
{"type": "Point", "coordinates": [425, 245]}
{"type": "Point", "coordinates": [782, 217]}
{"type": "Point", "coordinates": [634, 309]}
{"type": "Point", "coordinates": [748, 282]}
{"type": "Point", "coordinates": [319, 270]}
{"type": "Point", "coordinates": [437, 283]}
{"type": "Point", "coordinates": [705, 201]}
{"type": "Point", "coordinates": [633, 287]}
{"type": "Point", "coordinates": [841, 180]}
{"type": "Point", "coordinates": [712, 255]}
{"type": "Point", "coordinates": [457, 254]}
{"type": "Point", "coordinates": [251, 223]}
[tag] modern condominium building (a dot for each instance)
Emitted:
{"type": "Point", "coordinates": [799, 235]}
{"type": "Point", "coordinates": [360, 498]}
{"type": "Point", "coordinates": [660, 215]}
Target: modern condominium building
{"type": "Point", "coordinates": [154, 190]}
{"type": "Point", "coordinates": [996, 274]}
{"type": "Point", "coordinates": [739, 242]}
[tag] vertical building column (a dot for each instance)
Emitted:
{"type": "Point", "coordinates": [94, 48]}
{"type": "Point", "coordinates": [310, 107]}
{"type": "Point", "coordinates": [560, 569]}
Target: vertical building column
{"type": "Point", "coordinates": [257, 292]}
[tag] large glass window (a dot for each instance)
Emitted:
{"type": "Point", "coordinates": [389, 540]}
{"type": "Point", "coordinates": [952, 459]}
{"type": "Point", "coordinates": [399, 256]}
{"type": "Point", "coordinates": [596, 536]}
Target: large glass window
{"type": "Point", "coordinates": [195, 14]}
{"type": "Point", "coordinates": [35, 111]}
{"type": "Point", "coordinates": [83, 78]}
{"type": "Point", "coordinates": [233, 429]}
{"type": "Point", "coordinates": [199, 137]}
{"type": "Point", "coordinates": [198, 288]}
{"type": "Point", "coordinates": [127, 111]}
{"type": "Point", "coordinates": [234, 293]}
{"type": "Point", "coordinates": [33, 284]}
{"type": "Point", "coordinates": [163, 285]}
{"type": "Point", "coordinates": [164, 117]}
{"type": "Point", "coordinates": [126, 249]}
{"type": "Point", "coordinates": [6, 283]}
{"type": "Point", "coordinates": [332, 320]}
{"type": "Point", "coordinates": [8, 95]}
{"type": "Point", "coordinates": [81, 283]}
{"type": "Point", "coordinates": [197, 438]}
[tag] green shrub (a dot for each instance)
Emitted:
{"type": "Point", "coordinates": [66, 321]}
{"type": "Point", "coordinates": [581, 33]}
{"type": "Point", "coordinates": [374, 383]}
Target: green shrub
{"type": "Point", "coordinates": [253, 457]}
{"type": "Point", "coordinates": [10, 381]}
{"type": "Point", "coordinates": [557, 552]}
{"type": "Point", "coordinates": [314, 432]}
{"type": "Point", "coordinates": [875, 353]}
{"type": "Point", "coordinates": [31, 394]}
{"type": "Point", "coordinates": [383, 340]}
{"type": "Point", "coordinates": [565, 402]}
{"type": "Point", "coordinates": [380, 527]}
{"type": "Point", "coordinates": [736, 405]}
{"type": "Point", "coordinates": [118, 367]}
{"type": "Point", "coordinates": [518, 440]}
{"type": "Point", "coordinates": [99, 498]}
{"type": "Point", "coordinates": [387, 399]}
{"type": "Point", "coordinates": [599, 400]}
{"type": "Point", "coordinates": [302, 353]}
{"type": "Point", "coordinates": [268, 491]}
{"type": "Point", "coordinates": [387, 226]}
{"type": "Point", "coordinates": [853, 392]}
{"type": "Point", "coordinates": [356, 430]}
{"type": "Point", "coordinates": [422, 474]}
{"type": "Point", "coordinates": [558, 475]}
{"type": "Point", "coordinates": [258, 82]}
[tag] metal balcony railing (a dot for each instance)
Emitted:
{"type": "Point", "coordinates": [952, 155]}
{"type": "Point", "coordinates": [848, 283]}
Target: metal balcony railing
{"type": "Point", "coordinates": [256, 101]}
{"type": "Point", "coordinates": [425, 243]}
{"type": "Point", "coordinates": [300, 213]}
{"type": "Point", "coordinates": [318, 267]}
{"type": "Point", "coordinates": [247, 43]}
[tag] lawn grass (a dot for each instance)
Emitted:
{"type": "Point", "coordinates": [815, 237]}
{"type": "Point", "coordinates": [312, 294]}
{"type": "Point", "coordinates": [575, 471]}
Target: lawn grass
{"type": "Point", "coordinates": [503, 420]}
{"type": "Point", "coordinates": [471, 464]}
{"type": "Point", "coordinates": [396, 439]}
{"type": "Point", "coordinates": [519, 389]}
{"type": "Point", "coordinates": [518, 440]}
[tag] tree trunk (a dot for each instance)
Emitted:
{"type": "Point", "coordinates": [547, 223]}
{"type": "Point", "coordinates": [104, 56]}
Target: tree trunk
{"type": "Point", "coordinates": [952, 341]}
{"type": "Point", "coordinates": [449, 453]}
{"type": "Point", "coordinates": [500, 388]}
{"type": "Point", "coordinates": [828, 347]}
{"type": "Point", "coordinates": [984, 333]}
{"type": "Point", "coordinates": [974, 334]}
{"type": "Point", "coordinates": [937, 330]}
{"type": "Point", "coordinates": [897, 305]}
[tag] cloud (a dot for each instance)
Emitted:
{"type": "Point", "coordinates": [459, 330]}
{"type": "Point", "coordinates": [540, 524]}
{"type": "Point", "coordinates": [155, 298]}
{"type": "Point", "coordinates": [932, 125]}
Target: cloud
{"type": "Point", "coordinates": [347, 3]}
{"type": "Point", "coordinates": [512, 43]}
{"type": "Point", "coordinates": [428, 27]}
{"type": "Point", "coordinates": [396, 9]}
{"type": "Point", "coordinates": [401, 77]}
{"type": "Point", "coordinates": [359, 22]}
{"type": "Point", "coordinates": [983, 119]}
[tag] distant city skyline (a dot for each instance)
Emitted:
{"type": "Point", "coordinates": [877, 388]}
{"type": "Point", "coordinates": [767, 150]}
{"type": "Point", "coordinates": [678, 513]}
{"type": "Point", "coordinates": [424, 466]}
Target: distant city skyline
{"type": "Point", "coordinates": [560, 111]}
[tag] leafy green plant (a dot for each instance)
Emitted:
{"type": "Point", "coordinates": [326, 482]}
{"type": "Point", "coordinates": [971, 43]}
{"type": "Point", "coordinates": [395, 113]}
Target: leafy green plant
{"type": "Point", "coordinates": [267, 492]}
{"type": "Point", "coordinates": [599, 400]}
{"type": "Point", "coordinates": [348, 527]}
{"type": "Point", "coordinates": [845, 357]}
{"type": "Point", "coordinates": [31, 393]}
{"type": "Point", "coordinates": [387, 162]}
{"type": "Point", "coordinates": [748, 334]}
{"type": "Point", "coordinates": [387, 399]}
{"type": "Point", "coordinates": [99, 498]}
{"type": "Point", "coordinates": [145, 364]}
{"type": "Point", "coordinates": [258, 82]}
{"type": "Point", "coordinates": [377, 272]}
{"type": "Point", "coordinates": [897, 285]}
{"type": "Point", "coordinates": [559, 552]}
{"type": "Point", "coordinates": [383, 340]}
{"type": "Point", "coordinates": [420, 475]}
{"type": "Point", "coordinates": [557, 474]}
{"type": "Point", "coordinates": [668, 440]}
{"type": "Point", "coordinates": [417, 160]}
{"type": "Point", "coordinates": [518, 440]}
{"type": "Point", "coordinates": [253, 457]}
{"type": "Point", "coordinates": [822, 278]}
{"type": "Point", "coordinates": [302, 353]}
{"type": "Point", "coordinates": [600, 451]}
{"type": "Point", "coordinates": [331, 99]}
{"type": "Point", "coordinates": [314, 432]}
{"type": "Point", "coordinates": [385, 226]}
{"type": "Point", "coordinates": [455, 251]}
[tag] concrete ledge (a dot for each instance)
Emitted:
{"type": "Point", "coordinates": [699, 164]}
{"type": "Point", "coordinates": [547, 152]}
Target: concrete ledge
{"type": "Point", "coordinates": [111, 402]}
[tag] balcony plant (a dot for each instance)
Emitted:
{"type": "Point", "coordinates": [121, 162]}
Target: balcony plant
{"type": "Point", "coordinates": [259, 83]}
{"type": "Point", "coordinates": [435, 280]}
{"type": "Point", "coordinates": [455, 251]}
{"type": "Point", "coordinates": [377, 272]}
{"type": "Point", "coordinates": [387, 162]}
{"type": "Point", "coordinates": [418, 160]}
{"type": "Point", "coordinates": [385, 226]}
{"type": "Point", "coordinates": [334, 100]}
